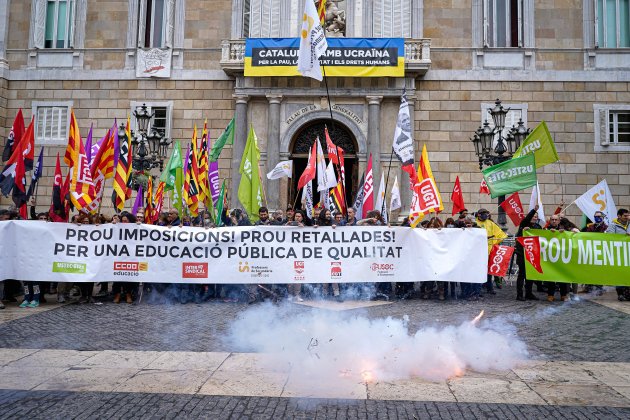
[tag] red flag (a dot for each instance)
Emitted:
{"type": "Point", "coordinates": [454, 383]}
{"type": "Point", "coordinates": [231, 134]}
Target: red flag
{"type": "Point", "coordinates": [309, 173]}
{"type": "Point", "coordinates": [56, 211]}
{"type": "Point", "coordinates": [513, 208]}
{"type": "Point", "coordinates": [499, 260]}
{"type": "Point", "coordinates": [457, 198]}
{"type": "Point", "coordinates": [483, 188]}
{"type": "Point", "coordinates": [531, 245]}
{"type": "Point", "coordinates": [15, 135]}
{"type": "Point", "coordinates": [413, 175]}
{"type": "Point", "coordinates": [368, 190]}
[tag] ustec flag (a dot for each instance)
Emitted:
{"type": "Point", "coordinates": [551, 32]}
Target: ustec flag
{"type": "Point", "coordinates": [81, 186]}
{"type": "Point", "coordinates": [540, 144]}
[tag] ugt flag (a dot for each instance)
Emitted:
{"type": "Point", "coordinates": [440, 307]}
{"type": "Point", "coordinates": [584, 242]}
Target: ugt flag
{"type": "Point", "coordinates": [312, 43]}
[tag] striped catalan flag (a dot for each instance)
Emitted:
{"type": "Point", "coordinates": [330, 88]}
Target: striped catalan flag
{"type": "Point", "coordinates": [191, 180]}
{"type": "Point", "coordinates": [102, 167]}
{"type": "Point", "coordinates": [148, 209]}
{"type": "Point", "coordinates": [81, 185]}
{"type": "Point", "coordinates": [204, 184]}
{"type": "Point", "coordinates": [321, 11]}
{"type": "Point", "coordinates": [158, 200]}
{"type": "Point", "coordinates": [122, 175]}
{"type": "Point", "coordinates": [337, 196]}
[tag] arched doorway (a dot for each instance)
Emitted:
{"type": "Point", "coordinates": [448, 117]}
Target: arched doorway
{"type": "Point", "coordinates": [302, 142]}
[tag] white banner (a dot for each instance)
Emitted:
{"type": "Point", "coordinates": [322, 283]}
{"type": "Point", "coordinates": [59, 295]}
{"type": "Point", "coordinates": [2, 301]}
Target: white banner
{"type": "Point", "coordinates": [145, 253]}
{"type": "Point", "coordinates": [153, 62]}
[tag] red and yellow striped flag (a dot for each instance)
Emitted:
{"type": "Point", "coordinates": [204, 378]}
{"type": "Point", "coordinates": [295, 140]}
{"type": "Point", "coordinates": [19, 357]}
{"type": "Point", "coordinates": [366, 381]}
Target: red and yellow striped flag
{"type": "Point", "coordinates": [158, 201]}
{"type": "Point", "coordinates": [148, 209]}
{"type": "Point", "coordinates": [204, 184]}
{"type": "Point", "coordinates": [122, 176]}
{"type": "Point", "coordinates": [191, 181]}
{"type": "Point", "coordinates": [81, 184]}
{"type": "Point", "coordinates": [321, 11]}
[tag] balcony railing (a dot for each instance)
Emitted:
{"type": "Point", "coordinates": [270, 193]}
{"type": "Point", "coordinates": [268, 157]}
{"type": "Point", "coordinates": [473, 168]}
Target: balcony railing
{"type": "Point", "coordinates": [417, 55]}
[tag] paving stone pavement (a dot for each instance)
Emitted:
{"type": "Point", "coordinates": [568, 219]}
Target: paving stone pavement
{"type": "Point", "coordinates": [575, 331]}
{"type": "Point", "coordinates": [59, 404]}
{"type": "Point", "coordinates": [580, 330]}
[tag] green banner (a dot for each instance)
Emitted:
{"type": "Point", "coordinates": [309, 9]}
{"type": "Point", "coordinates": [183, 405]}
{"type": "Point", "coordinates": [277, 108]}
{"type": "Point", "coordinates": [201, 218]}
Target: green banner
{"type": "Point", "coordinates": [511, 175]}
{"type": "Point", "coordinates": [540, 144]}
{"type": "Point", "coordinates": [69, 267]}
{"type": "Point", "coordinates": [585, 258]}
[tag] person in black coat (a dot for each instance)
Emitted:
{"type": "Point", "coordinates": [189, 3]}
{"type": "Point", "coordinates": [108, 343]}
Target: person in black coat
{"type": "Point", "coordinates": [529, 222]}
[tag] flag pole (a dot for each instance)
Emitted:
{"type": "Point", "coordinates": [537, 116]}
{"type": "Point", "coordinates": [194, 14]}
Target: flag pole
{"type": "Point", "coordinates": [332, 126]}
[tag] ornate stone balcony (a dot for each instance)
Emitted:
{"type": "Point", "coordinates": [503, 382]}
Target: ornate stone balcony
{"type": "Point", "coordinates": [417, 56]}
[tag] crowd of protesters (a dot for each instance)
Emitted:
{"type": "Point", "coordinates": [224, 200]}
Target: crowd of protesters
{"type": "Point", "coordinates": [34, 292]}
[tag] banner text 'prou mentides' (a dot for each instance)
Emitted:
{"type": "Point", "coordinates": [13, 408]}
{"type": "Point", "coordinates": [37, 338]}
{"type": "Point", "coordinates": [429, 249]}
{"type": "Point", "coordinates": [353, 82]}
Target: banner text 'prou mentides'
{"type": "Point", "coordinates": [586, 258]}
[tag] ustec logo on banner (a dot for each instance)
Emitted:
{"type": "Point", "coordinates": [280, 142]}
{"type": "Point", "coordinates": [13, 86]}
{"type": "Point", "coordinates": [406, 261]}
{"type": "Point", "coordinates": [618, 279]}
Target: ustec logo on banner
{"type": "Point", "coordinates": [68, 267]}
{"type": "Point", "coordinates": [335, 269]}
{"type": "Point", "coordinates": [195, 270]}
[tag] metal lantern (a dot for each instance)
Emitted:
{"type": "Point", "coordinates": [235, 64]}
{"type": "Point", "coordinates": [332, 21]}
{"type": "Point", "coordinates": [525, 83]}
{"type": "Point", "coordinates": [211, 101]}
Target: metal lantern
{"type": "Point", "coordinates": [143, 116]}
{"type": "Point", "coordinates": [498, 114]}
{"type": "Point", "coordinates": [520, 134]}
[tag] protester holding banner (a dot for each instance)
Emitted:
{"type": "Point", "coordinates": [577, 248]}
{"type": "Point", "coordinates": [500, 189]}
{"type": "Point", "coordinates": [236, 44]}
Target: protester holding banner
{"type": "Point", "coordinates": [351, 219]}
{"type": "Point", "coordinates": [495, 236]}
{"type": "Point", "coordinates": [621, 225]}
{"type": "Point", "coordinates": [124, 287]}
{"type": "Point", "coordinates": [529, 222]}
{"type": "Point", "coordinates": [554, 225]}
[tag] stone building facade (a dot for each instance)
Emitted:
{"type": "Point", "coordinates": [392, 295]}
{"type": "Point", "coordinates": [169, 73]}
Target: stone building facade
{"type": "Point", "coordinates": [565, 62]}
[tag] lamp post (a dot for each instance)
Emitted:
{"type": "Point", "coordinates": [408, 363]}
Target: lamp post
{"type": "Point", "coordinates": [492, 148]}
{"type": "Point", "coordinates": [149, 148]}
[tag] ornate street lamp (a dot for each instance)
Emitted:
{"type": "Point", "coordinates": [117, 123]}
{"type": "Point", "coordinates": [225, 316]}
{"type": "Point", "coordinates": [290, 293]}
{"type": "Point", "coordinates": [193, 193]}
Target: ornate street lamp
{"type": "Point", "coordinates": [492, 148]}
{"type": "Point", "coordinates": [149, 149]}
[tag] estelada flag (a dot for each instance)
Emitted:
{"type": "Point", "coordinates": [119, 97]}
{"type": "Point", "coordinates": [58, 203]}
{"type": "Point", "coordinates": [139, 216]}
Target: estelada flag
{"type": "Point", "coordinates": [531, 249]}
{"type": "Point", "coordinates": [499, 260]}
{"type": "Point", "coordinates": [309, 173]}
{"type": "Point", "coordinates": [457, 198]}
{"type": "Point", "coordinates": [514, 209]}
{"type": "Point", "coordinates": [202, 156]}
{"type": "Point", "coordinates": [191, 180]}
{"type": "Point", "coordinates": [122, 170]}
{"type": "Point", "coordinates": [81, 185]}
{"type": "Point", "coordinates": [426, 196]}
{"type": "Point", "coordinates": [321, 11]}
{"type": "Point", "coordinates": [483, 187]}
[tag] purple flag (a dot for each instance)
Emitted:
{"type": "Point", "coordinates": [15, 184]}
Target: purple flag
{"type": "Point", "coordinates": [88, 146]}
{"type": "Point", "coordinates": [139, 202]}
{"type": "Point", "coordinates": [213, 180]}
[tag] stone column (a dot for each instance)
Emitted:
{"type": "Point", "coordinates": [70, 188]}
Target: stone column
{"type": "Point", "coordinates": [240, 138]}
{"type": "Point", "coordinates": [273, 150]}
{"type": "Point", "coordinates": [4, 33]}
{"type": "Point", "coordinates": [374, 138]}
{"type": "Point", "coordinates": [405, 192]}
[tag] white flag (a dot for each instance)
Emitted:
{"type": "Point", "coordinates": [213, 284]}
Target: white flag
{"type": "Point", "coordinates": [403, 140]}
{"type": "Point", "coordinates": [535, 199]}
{"type": "Point", "coordinates": [395, 201]}
{"type": "Point", "coordinates": [322, 181]}
{"type": "Point", "coordinates": [331, 178]}
{"type": "Point", "coordinates": [312, 43]}
{"type": "Point", "coordinates": [282, 169]}
{"type": "Point", "coordinates": [307, 199]}
{"type": "Point", "coordinates": [598, 198]}
{"type": "Point", "coordinates": [381, 203]}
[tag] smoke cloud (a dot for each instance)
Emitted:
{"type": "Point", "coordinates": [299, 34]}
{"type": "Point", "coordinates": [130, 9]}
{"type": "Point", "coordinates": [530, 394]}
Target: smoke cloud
{"type": "Point", "coordinates": [324, 347]}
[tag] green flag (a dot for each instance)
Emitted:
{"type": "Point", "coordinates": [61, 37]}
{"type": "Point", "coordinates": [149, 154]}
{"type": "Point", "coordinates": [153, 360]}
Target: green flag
{"type": "Point", "coordinates": [220, 209]}
{"type": "Point", "coordinates": [174, 163]}
{"type": "Point", "coordinates": [512, 175]}
{"type": "Point", "coordinates": [539, 143]}
{"type": "Point", "coordinates": [250, 190]}
{"type": "Point", "coordinates": [226, 138]}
